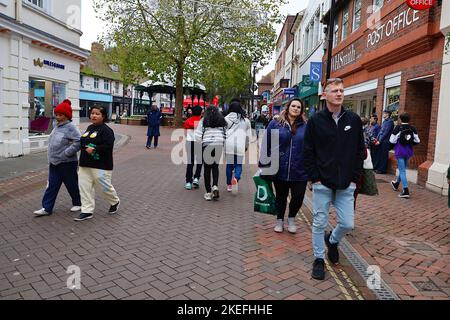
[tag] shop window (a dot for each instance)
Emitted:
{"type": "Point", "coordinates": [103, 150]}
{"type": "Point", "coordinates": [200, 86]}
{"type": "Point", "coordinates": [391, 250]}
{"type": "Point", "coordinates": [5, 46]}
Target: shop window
{"type": "Point", "coordinates": [357, 15]}
{"type": "Point", "coordinates": [59, 93]}
{"type": "Point", "coordinates": [393, 99]}
{"type": "Point", "coordinates": [345, 22]}
{"type": "Point", "coordinates": [96, 83]}
{"type": "Point", "coordinates": [350, 105]}
{"type": "Point", "coordinates": [44, 96]}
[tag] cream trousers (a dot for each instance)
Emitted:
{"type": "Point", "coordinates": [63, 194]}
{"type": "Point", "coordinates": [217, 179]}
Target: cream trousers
{"type": "Point", "coordinates": [88, 179]}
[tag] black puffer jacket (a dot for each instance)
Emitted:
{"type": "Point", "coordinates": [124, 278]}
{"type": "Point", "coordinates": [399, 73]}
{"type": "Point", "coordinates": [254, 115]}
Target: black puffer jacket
{"type": "Point", "coordinates": [334, 154]}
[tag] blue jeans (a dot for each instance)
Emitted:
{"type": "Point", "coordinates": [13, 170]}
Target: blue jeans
{"type": "Point", "coordinates": [234, 162]}
{"type": "Point", "coordinates": [402, 163]}
{"type": "Point", "coordinates": [57, 175]}
{"type": "Point", "coordinates": [343, 201]}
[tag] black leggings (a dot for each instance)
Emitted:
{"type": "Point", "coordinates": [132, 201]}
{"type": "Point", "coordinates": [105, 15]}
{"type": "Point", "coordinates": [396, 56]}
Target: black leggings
{"type": "Point", "coordinates": [194, 156]}
{"type": "Point", "coordinates": [211, 164]}
{"type": "Point", "coordinates": [297, 194]}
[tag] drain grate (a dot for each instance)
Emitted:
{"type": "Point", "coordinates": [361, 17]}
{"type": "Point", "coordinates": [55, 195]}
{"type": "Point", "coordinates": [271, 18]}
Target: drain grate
{"type": "Point", "coordinates": [360, 265]}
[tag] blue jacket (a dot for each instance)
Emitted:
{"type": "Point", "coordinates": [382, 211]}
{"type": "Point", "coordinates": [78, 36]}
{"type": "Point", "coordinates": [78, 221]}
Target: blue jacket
{"type": "Point", "coordinates": [386, 131]}
{"type": "Point", "coordinates": [154, 120]}
{"type": "Point", "coordinates": [290, 149]}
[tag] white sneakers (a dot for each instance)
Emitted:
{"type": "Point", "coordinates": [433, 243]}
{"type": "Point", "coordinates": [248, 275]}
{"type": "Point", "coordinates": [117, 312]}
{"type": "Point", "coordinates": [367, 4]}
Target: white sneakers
{"type": "Point", "coordinates": [215, 192]}
{"type": "Point", "coordinates": [41, 212]}
{"type": "Point", "coordinates": [208, 196]}
{"type": "Point", "coordinates": [292, 228]}
{"type": "Point", "coordinates": [279, 226]}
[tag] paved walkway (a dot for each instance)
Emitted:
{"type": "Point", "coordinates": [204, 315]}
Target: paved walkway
{"type": "Point", "coordinates": [168, 243]}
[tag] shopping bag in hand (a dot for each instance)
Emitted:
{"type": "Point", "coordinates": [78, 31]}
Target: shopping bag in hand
{"type": "Point", "coordinates": [264, 199]}
{"type": "Point", "coordinates": [369, 184]}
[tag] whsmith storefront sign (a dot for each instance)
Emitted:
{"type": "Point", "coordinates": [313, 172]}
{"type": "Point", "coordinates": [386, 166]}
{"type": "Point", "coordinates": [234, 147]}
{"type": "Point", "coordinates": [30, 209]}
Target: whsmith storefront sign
{"type": "Point", "coordinates": [401, 21]}
{"type": "Point", "coordinates": [343, 58]}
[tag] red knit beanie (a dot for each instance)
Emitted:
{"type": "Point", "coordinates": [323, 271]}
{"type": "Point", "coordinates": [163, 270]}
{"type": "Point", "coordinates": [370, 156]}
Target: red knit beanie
{"type": "Point", "coordinates": [65, 109]}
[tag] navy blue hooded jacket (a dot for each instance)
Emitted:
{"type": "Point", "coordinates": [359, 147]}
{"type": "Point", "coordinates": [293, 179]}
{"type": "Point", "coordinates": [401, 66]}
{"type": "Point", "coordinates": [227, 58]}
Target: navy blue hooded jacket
{"type": "Point", "coordinates": [290, 149]}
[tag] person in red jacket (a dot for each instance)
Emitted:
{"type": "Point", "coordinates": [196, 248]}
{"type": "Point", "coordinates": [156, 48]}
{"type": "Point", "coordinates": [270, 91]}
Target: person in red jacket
{"type": "Point", "coordinates": [193, 149]}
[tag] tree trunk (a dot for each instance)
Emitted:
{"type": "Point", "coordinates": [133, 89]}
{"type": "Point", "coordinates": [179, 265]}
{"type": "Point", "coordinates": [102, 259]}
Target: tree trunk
{"type": "Point", "coordinates": [179, 96]}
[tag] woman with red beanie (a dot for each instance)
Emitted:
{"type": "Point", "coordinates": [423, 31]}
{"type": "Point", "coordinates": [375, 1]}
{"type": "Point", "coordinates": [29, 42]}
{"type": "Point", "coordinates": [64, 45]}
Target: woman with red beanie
{"type": "Point", "coordinates": [63, 145]}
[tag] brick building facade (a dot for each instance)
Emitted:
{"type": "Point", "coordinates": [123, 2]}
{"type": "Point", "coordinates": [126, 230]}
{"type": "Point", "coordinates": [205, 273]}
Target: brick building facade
{"type": "Point", "coordinates": [391, 59]}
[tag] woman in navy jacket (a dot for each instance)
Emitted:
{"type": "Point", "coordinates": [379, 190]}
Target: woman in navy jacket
{"type": "Point", "coordinates": [291, 174]}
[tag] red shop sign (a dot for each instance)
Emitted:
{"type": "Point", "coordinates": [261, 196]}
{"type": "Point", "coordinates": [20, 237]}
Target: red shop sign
{"type": "Point", "coordinates": [420, 4]}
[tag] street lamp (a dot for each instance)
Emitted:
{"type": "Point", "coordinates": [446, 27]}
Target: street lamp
{"type": "Point", "coordinates": [254, 65]}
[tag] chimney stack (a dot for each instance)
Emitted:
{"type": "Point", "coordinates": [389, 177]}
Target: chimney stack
{"type": "Point", "coordinates": [97, 47]}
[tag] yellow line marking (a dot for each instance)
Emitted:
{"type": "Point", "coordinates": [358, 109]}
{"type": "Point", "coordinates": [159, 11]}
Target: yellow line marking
{"type": "Point", "coordinates": [343, 273]}
{"type": "Point", "coordinates": [330, 269]}
{"type": "Point", "coordinates": [352, 286]}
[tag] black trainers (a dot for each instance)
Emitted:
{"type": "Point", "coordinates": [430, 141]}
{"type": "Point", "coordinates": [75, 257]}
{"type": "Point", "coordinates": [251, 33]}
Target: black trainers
{"type": "Point", "coordinates": [333, 253]}
{"type": "Point", "coordinates": [114, 208]}
{"type": "Point", "coordinates": [404, 194]}
{"type": "Point", "coordinates": [318, 271]}
{"type": "Point", "coordinates": [395, 185]}
{"type": "Point", "coordinates": [84, 216]}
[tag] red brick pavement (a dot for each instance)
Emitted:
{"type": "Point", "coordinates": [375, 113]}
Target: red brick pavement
{"type": "Point", "coordinates": [409, 239]}
{"type": "Point", "coordinates": [166, 243]}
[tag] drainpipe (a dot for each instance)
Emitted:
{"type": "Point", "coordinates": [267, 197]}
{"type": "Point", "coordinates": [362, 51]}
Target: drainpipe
{"type": "Point", "coordinates": [18, 10]}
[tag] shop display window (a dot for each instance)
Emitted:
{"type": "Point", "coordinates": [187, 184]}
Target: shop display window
{"type": "Point", "coordinates": [44, 96]}
{"type": "Point", "coordinates": [393, 99]}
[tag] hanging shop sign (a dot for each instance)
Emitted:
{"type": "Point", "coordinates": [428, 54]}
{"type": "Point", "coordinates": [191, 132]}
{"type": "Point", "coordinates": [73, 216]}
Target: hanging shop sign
{"type": "Point", "coordinates": [420, 4]}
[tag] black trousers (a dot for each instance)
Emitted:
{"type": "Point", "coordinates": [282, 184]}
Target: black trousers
{"type": "Point", "coordinates": [297, 194]}
{"type": "Point", "coordinates": [149, 141]}
{"type": "Point", "coordinates": [211, 159]}
{"type": "Point", "coordinates": [194, 157]}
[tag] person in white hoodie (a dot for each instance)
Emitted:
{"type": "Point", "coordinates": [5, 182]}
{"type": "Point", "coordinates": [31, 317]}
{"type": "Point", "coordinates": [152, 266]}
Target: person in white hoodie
{"type": "Point", "coordinates": [237, 142]}
{"type": "Point", "coordinates": [210, 132]}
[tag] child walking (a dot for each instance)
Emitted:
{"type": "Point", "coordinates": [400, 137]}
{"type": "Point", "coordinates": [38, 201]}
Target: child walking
{"type": "Point", "coordinates": [63, 145]}
{"type": "Point", "coordinates": [96, 164]}
{"type": "Point", "coordinates": [211, 133]}
{"type": "Point", "coordinates": [193, 150]}
{"type": "Point", "coordinates": [404, 136]}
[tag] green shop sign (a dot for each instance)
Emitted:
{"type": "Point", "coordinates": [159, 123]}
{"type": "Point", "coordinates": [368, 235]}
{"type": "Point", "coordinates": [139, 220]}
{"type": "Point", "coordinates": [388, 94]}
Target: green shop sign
{"type": "Point", "coordinates": [307, 87]}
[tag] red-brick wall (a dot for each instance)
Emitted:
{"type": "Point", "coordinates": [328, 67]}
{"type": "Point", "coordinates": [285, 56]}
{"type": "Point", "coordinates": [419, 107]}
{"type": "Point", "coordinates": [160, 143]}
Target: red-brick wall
{"type": "Point", "coordinates": [415, 51]}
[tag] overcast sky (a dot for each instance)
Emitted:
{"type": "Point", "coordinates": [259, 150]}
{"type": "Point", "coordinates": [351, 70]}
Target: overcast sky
{"type": "Point", "coordinates": [93, 27]}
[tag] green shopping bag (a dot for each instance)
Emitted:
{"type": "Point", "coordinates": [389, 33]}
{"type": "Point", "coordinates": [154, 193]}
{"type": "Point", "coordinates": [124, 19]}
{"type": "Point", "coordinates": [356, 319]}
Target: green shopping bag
{"type": "Point", "coordinates": [264, 199]}
{"type": "Point", "coordinates": [369, 183]}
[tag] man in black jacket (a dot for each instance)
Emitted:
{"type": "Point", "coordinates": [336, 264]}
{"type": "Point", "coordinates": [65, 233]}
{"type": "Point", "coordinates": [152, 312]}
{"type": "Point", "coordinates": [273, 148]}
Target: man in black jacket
{"type": "Point", "coordinates": [333, 158]}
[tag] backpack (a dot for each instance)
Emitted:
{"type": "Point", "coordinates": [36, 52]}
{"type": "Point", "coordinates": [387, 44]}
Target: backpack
{"type": "Point", "coordinates": [406, 137]}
